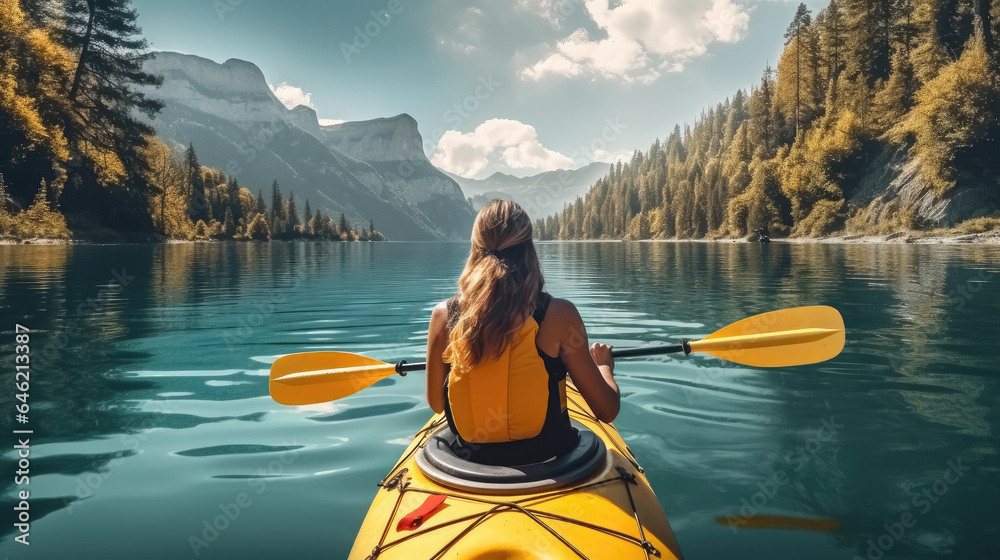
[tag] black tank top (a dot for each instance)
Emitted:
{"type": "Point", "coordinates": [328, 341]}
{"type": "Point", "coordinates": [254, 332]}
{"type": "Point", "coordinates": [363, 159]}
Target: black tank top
{"type": "Point", "coordinates": [557, 436]}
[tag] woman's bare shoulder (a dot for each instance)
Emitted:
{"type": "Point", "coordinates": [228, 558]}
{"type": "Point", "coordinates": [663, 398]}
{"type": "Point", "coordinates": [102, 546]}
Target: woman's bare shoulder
{"type": "Point", "coordinates": [563, 311]}
{"type": "Point", "coordinates": [440, 311]}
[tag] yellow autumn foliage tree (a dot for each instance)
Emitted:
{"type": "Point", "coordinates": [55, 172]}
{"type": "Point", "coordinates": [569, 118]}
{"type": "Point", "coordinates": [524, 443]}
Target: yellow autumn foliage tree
{"type": "Point", "coordinates": [816, 198]}
{"type": "Point", "coordinates": [34, 70]}
{"type": "Point", "coordinates": [954, 112]}
{"type": "Point", "coordinates": [168, 205]}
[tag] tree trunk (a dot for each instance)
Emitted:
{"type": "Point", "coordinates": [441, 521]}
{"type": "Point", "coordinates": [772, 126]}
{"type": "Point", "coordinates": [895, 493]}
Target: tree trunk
{"type": "Point", "coordinates": [798, 75]}
{"type": "Point", "coordinates": [84, 51]}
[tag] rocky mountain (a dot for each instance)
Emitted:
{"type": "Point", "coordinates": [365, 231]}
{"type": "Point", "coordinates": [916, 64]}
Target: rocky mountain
{"type": "Point", "coordinates": [540, 195]}
{"type": "Point", "coordinates": [891, 182]}
{"type": "Point", "coordinates": [236, 124]}
{"type": "Point", "coordinates": [394, 149]}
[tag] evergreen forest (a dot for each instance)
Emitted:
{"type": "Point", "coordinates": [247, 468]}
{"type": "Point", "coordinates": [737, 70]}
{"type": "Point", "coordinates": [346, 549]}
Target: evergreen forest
{"type": "Point", "coordinates": [866, 92]}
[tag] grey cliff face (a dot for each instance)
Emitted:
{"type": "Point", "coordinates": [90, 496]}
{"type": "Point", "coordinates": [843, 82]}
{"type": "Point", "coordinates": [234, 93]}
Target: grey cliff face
{"type": "Point", "coordinates": [236, 124]}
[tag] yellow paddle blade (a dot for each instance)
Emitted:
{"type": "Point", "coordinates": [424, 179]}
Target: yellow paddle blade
{"type": "Point", "coordinates": [787, 337]}
{"type": "Point", "coordinates": [315, 377]}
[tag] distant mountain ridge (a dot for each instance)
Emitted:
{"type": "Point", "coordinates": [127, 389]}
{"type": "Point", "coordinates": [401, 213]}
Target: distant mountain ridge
{"type": "Point", "coordinates": [540, 195]}
{"type": "Point", "coordinates": [394, 148]}
{"type": "Point", "coordinates": [237, 124]}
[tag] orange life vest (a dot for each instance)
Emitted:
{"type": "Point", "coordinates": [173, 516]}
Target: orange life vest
{"type": "Point", "coordinates": [518, 397]}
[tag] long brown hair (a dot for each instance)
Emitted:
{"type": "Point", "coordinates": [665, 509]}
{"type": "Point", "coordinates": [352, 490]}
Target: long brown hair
{"type": "Point", "coordinates": [499, 287]}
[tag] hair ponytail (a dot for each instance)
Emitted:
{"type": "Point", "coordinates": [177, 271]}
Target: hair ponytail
{"type": "Point", "coordinates": [498, 288]}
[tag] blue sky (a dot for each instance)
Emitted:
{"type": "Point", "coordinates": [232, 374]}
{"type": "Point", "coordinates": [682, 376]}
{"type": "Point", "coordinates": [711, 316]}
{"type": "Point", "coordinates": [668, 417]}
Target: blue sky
{"type": "Point", "coordinates": [519, 86]}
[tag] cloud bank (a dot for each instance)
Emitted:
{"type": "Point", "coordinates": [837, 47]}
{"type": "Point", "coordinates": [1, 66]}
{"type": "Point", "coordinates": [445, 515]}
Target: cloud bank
{"type": "Point", "coordinates": [496, 141]}
{"type": "Point", "coordinates": [642, 37]}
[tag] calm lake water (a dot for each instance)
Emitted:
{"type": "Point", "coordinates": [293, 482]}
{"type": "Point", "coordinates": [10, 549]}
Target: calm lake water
{"type": "Point", "coordinates": [151, 415]}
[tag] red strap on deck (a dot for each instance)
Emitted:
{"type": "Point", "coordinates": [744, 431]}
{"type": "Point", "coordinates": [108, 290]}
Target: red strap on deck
{"type": "Point", "coordinates": [415, 518]}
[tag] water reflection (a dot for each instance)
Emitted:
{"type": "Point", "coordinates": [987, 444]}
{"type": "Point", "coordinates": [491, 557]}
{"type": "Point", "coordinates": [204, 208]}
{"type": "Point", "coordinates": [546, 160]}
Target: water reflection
{"type": "Point", "coordinates": [165, 380]}
{"type": "Point", "coordinates": [912, 391]}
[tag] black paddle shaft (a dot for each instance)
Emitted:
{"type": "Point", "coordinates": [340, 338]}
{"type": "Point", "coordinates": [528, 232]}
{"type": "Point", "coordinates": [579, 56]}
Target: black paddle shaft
{"type": "Point", "coordinates": [402, 368]}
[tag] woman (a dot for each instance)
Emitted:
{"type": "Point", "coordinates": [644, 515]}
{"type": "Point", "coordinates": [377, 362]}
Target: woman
{"type": "Point", "coordinates": [498, 352]}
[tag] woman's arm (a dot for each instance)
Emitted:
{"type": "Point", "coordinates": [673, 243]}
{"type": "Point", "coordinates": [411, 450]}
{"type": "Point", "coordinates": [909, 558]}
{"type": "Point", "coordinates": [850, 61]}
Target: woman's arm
{"type": "Point", "coordinates": [590, 368]}
{"type": "Point", "coordinates": [437, 341]}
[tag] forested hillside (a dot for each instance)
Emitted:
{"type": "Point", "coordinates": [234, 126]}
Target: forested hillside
{"type": "Point", "coordinates": [882, 115]}
{"type": "Point", "coordinates": [77, 152]}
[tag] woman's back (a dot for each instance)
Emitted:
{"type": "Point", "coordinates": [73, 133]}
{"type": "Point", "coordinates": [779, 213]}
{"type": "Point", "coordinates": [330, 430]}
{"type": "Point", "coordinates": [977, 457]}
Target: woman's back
{"type": "Point", "coordinates": [499, 351]}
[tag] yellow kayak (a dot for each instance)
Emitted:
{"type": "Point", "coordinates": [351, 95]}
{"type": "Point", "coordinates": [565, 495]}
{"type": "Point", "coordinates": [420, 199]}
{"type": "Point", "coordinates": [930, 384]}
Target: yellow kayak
{"type": "Point", "coordinates": [593, 503]}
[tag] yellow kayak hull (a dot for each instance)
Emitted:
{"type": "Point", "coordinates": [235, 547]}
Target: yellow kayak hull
{"type": "Point", "coordinates": [611, 513]}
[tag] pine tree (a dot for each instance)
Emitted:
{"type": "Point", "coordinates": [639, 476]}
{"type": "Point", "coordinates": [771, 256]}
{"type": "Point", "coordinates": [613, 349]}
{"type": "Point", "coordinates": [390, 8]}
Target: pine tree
{"type": "Point", "coordinates": [306, 227]}
{"type": "Point", "coordinates": [894, 100]}
{"type": "Point", "coordinates": [197, 205]}
{"type": "Point", "coordinates": [345, 228]}
{"type": "Point", "coordinates": [832, 40]}
{"type": "Point", "coordinates": [869, 26]}
{"type": "Point", "coordinates": [258, 230]}
{"type": "Point", "coordinates": [317, 226]}
{"type": "Point", "coordinates": [106, 133]}
{"type": "Point", "coordinates": [235, 201]}
{"type": "Point", "coordinates": [261, 206]}
{"type": "Point", "coordinates": [928, 55]}
{"type": "Point", "coordinates": [276, 211]}
{"type": "Point", "coordinates": [277, 202]}
{"type": "Point", "coordinates": [762, 126]}
{"type": "Point", "coordinates": [291, 220]}
{"type": "Point", "coordinates": [229, 225]}
{"type": "Point", "coordinates": [799, 27]}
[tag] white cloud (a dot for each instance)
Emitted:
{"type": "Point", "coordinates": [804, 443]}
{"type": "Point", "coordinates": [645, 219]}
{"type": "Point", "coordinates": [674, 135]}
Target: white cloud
{"type": "Point", "coordinates": [496, 142]}
{"type": "Point", "coordinates": [330, 122]}
{"type": "Point", "coordinates": [604, 156]}
{"type": "Point", "coordinates": [291, 96]}
{"type": "Point", "coordinates": [642, 36]}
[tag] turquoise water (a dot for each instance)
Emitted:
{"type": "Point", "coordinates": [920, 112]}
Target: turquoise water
{"type": "Point", "coordinates": [152, 421]}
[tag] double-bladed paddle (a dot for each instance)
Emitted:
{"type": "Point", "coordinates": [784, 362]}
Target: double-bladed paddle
{"type": "Point", "coordinates": [786, 337]}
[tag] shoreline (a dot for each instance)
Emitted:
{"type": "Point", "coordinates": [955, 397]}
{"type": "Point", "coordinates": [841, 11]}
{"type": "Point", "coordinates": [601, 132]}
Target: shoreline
{"type": "Point", "coordinates": [46, 242]}
{"type": "Point", "coordinates": [901, 238]}
{"type": "Point", "coordinates": [898, 238]}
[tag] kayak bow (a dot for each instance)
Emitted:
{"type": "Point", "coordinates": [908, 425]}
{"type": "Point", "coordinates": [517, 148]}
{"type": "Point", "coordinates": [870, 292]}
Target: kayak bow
{"type": "Point", "coordinates": [611, 512]}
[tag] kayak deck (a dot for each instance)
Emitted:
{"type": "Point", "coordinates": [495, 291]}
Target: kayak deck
{"type": "Point", "coordinates": [611, 513]}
